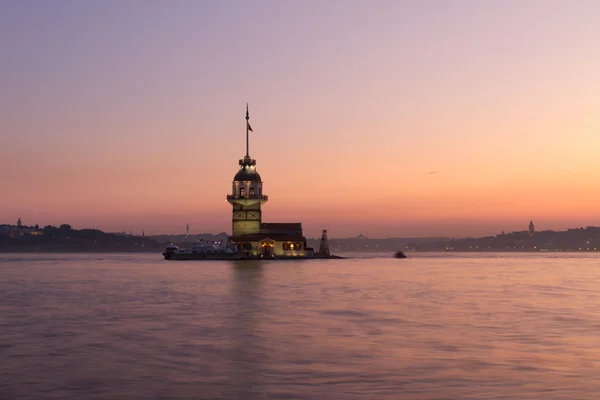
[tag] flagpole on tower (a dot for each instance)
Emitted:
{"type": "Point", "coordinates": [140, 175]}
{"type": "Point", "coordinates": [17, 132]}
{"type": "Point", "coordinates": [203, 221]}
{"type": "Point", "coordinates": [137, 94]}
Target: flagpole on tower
{"type": "Point", "coordinates": [247, 126]}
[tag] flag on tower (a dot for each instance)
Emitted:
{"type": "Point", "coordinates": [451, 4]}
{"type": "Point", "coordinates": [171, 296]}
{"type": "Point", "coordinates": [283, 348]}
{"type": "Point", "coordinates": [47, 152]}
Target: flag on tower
{"type": "Point", "coordinates": [249, 127]}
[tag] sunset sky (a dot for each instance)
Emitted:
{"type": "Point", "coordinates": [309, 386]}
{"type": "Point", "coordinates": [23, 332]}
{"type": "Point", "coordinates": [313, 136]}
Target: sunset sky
{"type": "Point", "coordinates": [388, 118]}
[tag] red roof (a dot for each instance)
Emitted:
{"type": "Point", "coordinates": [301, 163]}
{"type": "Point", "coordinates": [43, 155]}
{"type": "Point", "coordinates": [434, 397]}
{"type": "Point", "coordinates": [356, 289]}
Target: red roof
{"type": "Point", "coordinates": [284, 226]}
{"type": "Point", "coordinates": [257, 237]}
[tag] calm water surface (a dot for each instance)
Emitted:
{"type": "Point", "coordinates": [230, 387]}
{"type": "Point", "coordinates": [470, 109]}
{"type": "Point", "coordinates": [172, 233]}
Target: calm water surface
{"type": "Point", "coordinates": [105, 326]}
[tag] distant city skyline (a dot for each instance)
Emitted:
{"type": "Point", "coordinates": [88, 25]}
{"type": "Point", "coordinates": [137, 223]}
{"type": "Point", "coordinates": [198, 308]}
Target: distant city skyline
{"type": "Point", "coordinates": [189, 230]}
{"type": "Point", "coordinates": [395, 119]}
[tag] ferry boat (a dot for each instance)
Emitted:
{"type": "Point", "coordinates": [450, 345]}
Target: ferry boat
{"type": "Point", "coordinates": [170, 250]}
{"type": "Point", "coordinates": [204, 251]}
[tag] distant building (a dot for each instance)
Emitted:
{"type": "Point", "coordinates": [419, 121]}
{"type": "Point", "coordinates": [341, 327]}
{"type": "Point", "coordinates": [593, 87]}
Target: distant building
{"type": "Point", "coordinates": [19, 224]}
{"type": "Point", "coordinates": [531, 229]}
{"type": "Point", "coordinates": [248, 231]}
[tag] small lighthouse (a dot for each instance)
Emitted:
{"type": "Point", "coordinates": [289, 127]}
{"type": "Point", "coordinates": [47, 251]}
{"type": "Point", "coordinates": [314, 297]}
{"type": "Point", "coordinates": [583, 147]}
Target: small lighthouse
{"type": "Point", "coordinates": [246, 195]}
{"type": "Point", "coordinates": [324, 247]}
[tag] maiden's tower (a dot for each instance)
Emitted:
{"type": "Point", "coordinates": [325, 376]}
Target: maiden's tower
{"type": "Point", "coordinates": [249, 232]}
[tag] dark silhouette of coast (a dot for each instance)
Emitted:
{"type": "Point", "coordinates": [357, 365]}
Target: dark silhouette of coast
{"type": "Point", "coordinates": [577, 239]}
{"type": "Point", "coordinates": [51, 239]}
{"type": "Point", "coordinates": [29, 239]}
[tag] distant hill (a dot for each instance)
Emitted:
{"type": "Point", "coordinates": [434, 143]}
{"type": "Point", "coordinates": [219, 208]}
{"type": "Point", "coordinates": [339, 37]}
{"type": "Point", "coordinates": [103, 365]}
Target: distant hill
{"type": "Point", "coordinates": [66, 239]}
{"type": "Point", "coordinates": [577, 239]}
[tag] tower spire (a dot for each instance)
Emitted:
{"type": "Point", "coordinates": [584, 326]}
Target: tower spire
{"type": "Point", "coordinates": [247, 128]}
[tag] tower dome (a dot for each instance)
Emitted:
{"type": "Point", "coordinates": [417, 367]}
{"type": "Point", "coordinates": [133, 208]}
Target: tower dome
{"type": "Point", "coordinates": [247, 171]}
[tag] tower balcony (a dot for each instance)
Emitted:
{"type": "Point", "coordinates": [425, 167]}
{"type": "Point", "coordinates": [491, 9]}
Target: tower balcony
{"type": "Point", "coordinates": [247, 200]}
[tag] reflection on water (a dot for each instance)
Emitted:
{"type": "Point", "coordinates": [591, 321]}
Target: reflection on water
{"type": "Point", "coordinates": [248, 349]}
{"type": "Point", "coordinates": [520, 326]}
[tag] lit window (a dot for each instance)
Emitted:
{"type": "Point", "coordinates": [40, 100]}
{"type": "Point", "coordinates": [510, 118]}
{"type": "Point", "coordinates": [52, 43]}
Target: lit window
{"type": "Point", "coordinates": [251, 191]}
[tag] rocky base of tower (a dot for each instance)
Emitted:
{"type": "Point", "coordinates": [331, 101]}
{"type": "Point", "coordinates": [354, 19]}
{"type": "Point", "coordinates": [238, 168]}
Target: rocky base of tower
{"type": "Point", "coordinates": [312, 257]}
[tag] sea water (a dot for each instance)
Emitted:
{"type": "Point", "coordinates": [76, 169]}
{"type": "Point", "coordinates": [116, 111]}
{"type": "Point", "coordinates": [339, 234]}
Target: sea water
{"type": "Point", "coordinates": [432, 326]}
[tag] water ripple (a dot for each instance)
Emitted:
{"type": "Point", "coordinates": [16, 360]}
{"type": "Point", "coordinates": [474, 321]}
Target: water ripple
{"type": "Point", "coordinates": [433, 327]}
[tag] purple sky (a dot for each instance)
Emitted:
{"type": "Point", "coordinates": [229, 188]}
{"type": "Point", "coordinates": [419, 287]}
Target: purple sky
{"type": "Point", "coordinates": [129, 114]}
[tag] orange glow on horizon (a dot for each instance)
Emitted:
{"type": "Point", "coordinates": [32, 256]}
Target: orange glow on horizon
{"type": "Point", "coordinates": [415, 121]}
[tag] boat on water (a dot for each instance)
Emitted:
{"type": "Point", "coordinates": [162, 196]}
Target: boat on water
{"type": "Point", "coordinates": [204, 251]}
{"type": "Point", "coordinates": [400, 254]}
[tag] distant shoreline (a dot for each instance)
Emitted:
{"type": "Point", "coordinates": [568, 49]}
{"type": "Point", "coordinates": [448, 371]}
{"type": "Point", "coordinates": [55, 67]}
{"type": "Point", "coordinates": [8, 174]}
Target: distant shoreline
{"type": "Point", "coordinates": [347, 253]}
{"type": "Point", "coordinates": [64, 239]}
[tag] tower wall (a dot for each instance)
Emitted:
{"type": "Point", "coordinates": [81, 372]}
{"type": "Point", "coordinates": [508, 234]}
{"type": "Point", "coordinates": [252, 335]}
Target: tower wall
{"type": "Point", "coordinates": [246, 218]}
{"type": "Point", "coordinates": [246, 189]}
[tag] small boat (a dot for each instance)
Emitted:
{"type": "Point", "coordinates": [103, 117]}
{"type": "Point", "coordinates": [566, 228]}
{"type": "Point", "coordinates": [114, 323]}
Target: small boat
{"type": "Point", "coordinates": [400, 254]}
{"type": "Point", "coordinates": [205, 251]}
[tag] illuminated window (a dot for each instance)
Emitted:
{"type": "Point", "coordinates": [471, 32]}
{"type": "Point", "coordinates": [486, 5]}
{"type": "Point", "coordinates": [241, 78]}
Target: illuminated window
{"type": "Point", "coordinates": [292, 246]}
{"type": "Point", "coordinates": [242, 192]}
{"type": "Point", "coordinates": [251, 191]}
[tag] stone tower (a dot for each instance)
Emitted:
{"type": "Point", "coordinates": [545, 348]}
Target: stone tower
{"type": "Point", "coordinates": [246, 195]}
{"type": "Point", "coordinates": [531, 229]}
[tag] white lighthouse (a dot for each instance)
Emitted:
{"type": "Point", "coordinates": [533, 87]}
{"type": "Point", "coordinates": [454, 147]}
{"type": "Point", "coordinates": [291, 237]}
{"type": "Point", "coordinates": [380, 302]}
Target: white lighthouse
{"type": "Point", "coordinates": [246, 195]}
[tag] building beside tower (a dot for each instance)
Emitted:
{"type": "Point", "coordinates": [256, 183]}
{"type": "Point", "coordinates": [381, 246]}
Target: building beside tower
{"type": "Point", "coordinates": [248, 231]}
